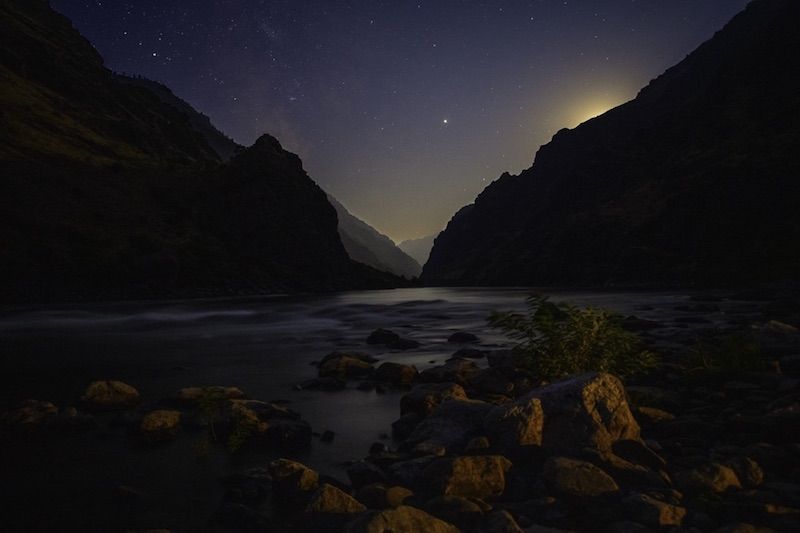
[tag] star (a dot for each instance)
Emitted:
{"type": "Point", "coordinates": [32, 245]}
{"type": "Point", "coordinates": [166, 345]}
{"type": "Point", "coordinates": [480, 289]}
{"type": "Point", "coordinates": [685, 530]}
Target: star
{"type": "Point", "coordinates": [444, 121]}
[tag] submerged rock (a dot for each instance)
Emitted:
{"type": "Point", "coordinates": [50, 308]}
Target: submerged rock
{"type": "Point", "coordinates": [110, 395]}
{"type": "Point", "coordinates": [459, 371]}
{"type": "Point", "coordinates": [342, 366]}
{"type": "Point", "coordinates": [463, 337]}
{"type": "Point", "coordinates": [382, 336]}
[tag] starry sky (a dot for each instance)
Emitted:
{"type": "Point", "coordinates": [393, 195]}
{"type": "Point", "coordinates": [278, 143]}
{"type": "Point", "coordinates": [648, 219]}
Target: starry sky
{"type": "Point", "coordinates": [404, 110]}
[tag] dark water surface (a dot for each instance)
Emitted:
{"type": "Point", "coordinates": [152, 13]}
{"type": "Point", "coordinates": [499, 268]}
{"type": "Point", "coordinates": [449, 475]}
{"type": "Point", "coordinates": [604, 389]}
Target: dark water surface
{"type": "Point", "coordinates": [262, 345]}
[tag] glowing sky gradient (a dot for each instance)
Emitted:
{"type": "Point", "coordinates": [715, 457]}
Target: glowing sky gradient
{"type": "Point", "coordinates": [403, 110]}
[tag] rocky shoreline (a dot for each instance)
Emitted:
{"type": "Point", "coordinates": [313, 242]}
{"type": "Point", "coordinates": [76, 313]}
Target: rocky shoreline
{"type": "Point", "coordinates": [482, 445]}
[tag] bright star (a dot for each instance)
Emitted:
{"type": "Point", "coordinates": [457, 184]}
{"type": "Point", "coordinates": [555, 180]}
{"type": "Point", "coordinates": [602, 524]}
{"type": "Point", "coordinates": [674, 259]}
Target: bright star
{"type": "Point", "coordinates": [444, 121]}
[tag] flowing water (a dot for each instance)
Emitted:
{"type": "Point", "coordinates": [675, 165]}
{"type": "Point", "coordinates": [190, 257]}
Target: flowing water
{"type": "Point", "coordinates": [263, 345]}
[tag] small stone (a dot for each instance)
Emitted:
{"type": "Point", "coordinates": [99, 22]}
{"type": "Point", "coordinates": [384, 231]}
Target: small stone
{"type": "Point", "coordinates": [708, 478]}
{"type": "Point", "coordinates": [747, 471]}
{"type": "Point", "coordinates": [31, 414]}
{"type": "Point", "coordinates": [382, 336]}
{"type": "Point", "coordinates": [652, 512]}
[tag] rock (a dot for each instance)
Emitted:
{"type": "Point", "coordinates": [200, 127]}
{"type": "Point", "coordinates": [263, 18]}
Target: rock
{"type": "Point", "coordinates": [501, 359]}
{"type": "Point", "coordinates": [239, 517]}
{"type": "Point", "coordinates": [272, 424]}
{"type": "Point", "coordinates": [423, 399]}
{"type": "Point", "coordinates": [408, 473]}
{"type": "Point", "coordinates": [469, 353]}
{"type": "Point", "coordinates": [403, 344]}
{"type": "Point", "coordinates": [500, 521]}
{"type": "Point", "coordinates": [330, 508]}
{"type": "Point", "coordinates": [403, 519]}
{"type": "Point", "coordinates": [292, 482]}
{"type": "Point", "coordinates": [470, 476]}
{"type": "Point", "coordinates": [651, 512]}
{"type": "Point", "coordinates": [324, 384]}
{"type": "Point", "coordinates": [354, 355]}
{"type": "Point", "coordinates": [457, 510]}
{"type": "Point", "coordinates": [462, 337]}
{"type": "Point", "coordinates": [343, 366]}
{"type": "Point", "coordinates": [403, 426]}
{"type": "Point", "coordinates": [515, 425]}
{"type": "Point", "coordinates": [573, 478]}
{"type": "Point", "coordinates": [110, 396]}
{"type": "Point", "coordinates": [380, 496]}
{"type": "Point", "coordinates": [72, 419]}
{"type": "Point", "coordinates": [477, 445]}
{"type": "Point", "coordinates": [452, 424]}
{"type": "Point", "coordinates": [363, 473]}
{"type": "Point", "coordinates": [397, 374]}
{"type": "Point", "coordinates": [492, 381]}
{"type": "Point", "coordinates": [638, 453]}
{"type": "Point", "coordinates": [459, 371]}
{"type": "Point", "coordinates": [429, 448]}
{"type": "Point", "coordinates": [193, 396]}
{"type": "Point", "coordinates": [589, 410]}
{"type": "Point", "coordinates": [708, 478]}
{"type": "Point", "coordinates": [748, 472]}
{"type": "Point", "coordinates": [31, 414]}
{"type": "Point", "coordinates": [289, 435]}
{"type": "Point", "coordinates": [625, 473]}
{"type": "Point", "coordinates": [382, 336]}
{"type": "Point", "coordinates": [650, 416]}
{"type": "Point", "coordinates": [160, 425]}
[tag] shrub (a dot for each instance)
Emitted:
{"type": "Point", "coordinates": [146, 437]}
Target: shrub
{"type": "Point", "coordinates": [558, 339]}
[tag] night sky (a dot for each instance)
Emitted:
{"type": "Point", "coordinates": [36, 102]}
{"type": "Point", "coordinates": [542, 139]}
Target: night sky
{"type": "Point", "coordinates": [403, 110]}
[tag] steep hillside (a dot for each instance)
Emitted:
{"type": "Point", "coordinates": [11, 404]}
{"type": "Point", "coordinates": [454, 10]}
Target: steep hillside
{"type": "Point", "coordinates": [366, 245]}
{"type": "Point", "coordinates": [106, 191]}
{"type": "Point", "coordinates": [695, 182]}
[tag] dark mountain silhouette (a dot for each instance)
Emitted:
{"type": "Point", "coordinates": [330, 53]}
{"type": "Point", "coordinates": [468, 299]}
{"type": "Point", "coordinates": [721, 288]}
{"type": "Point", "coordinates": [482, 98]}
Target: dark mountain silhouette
{"type": "Point", "coordinates": [223, 146]}
{"type": "Point", "coordinates": [695, 182]}
{"type": "Point", "coordinates": [106, 191]}
{"type": "Point", "coordinates": [370, 247]}
{"type": "Point", "coordinates": [419, 249]}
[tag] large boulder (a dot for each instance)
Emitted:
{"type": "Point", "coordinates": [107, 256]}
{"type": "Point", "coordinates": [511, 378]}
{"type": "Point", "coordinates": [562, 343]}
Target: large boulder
{"type": "Point", "coordinates": [110, 395]}
{"type": "Point", "coordinates": [382, 496]}
{"type": "Point", "coordinates": [512, 426]}
{"type": "Point", "coordinates": [573, 478]}
{"type": "Point", "coordinates": [330, 508]}
{"type": "Point", "coordinates": [452, 424]}
{"type": "Point", "coordinates": [589, 410]}
{"type": "Point", "coordinates": [274, 425]}
{"type": "Point", "coordinates": [424, 398]}
{"type": "Point", "coordinates": [481, 476]}
{"type": "Point", "coordinates": [160, 425]}
{"type": "Point", "coordinates": [31, 414]}
{"type": "Point", "coordinates": [395, 373]}
{"type": "Point", "coordinates": [403, 519]}
{"type": "Point", "coordinates": [457, 510]}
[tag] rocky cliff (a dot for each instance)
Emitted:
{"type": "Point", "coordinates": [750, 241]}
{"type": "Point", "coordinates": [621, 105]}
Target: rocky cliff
{"type": "Point", "coordinates": [694, 182]}
{"type": "Point", "coordinates": [110, 191]}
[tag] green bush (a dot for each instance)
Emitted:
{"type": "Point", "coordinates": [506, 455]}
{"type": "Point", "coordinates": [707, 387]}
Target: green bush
{"type": "Point", "coordinates": [558, 339]}
{"type": "Point", "coordinates": [731, 353]}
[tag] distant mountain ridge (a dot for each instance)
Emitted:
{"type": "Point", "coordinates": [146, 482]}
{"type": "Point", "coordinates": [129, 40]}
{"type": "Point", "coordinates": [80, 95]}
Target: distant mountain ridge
{"type": "Point", "coordinates": [109, 190]}
{"type": "Point", "coordinates": [366, 245]}
{"type": "Point", "coordinates": [695, 182]}
{"type": "Point", "coordinates": [419, 249]}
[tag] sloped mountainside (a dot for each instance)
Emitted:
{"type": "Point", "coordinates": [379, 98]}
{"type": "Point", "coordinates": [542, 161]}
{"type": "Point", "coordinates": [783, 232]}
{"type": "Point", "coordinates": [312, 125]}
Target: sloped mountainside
{"type": "Point", "coordinates": [223, 146]}
{"type": "Point", "coordinates": [367, 245]}
{"type": "Point", "coordinates": [419, 249]}
{"type": "Point", "coordinates": [110, 190]}
{"type": "Point", "coordinates": [694, 182]}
